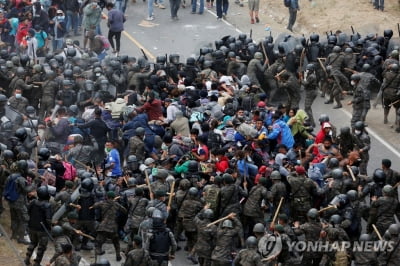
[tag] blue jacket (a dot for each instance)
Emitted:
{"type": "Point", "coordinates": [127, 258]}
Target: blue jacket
{"type": "Point", "coordinates": [116, 20]}
{"type": "Point", "coordinates": [282, 133]}
{"type": "Point", "coordinates": [294, 4]}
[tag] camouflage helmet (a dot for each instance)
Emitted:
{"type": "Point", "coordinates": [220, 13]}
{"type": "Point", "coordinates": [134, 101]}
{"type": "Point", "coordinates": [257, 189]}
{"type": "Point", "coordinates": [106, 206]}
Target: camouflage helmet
{"type": "Point", "coordinates": [258, 228]}
{"type": "Point", "coordinates": [251, 242]}
{"type": "Point", "coordinates": [258, 55]}
{"type": "Point", "coordinates": [57, 231]}
{"type": "Point", "coordinates": [149, 211]}
{"type": "Point", "coordinates": [275, 175]}
{"type": "Point", "coordinates": [312, 214]}
{"type": "Point", "coordinates": [208, 214]}
{"type": "Point", "coordinates": [227, 224]}
{"type": "Point", "coordinates": [365, 237]}
{"type": "Point", "coordinates": [393, 229]}
{"type": "Point", "coordinates": [131, 182]}
{"type": "Point", "coordinates": [193, 191]}
{"type": "Point", "coordinates": [387, 189]}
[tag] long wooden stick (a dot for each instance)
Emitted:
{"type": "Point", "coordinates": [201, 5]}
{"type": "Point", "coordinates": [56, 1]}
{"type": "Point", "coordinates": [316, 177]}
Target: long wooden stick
{"type": "Point", "coordinates": [148, 184]}
{"type": "Point", "coordinates": [219, 220]}
{"type": "Point", "coordinates": [394, 102]}
{"type": "Point", "coordinates": [280, 73]}
{"type": "Point", "coordinates": [86, 235]}
{"type": "Point", "coordinates": [327, 208]}
{"type": "Point", "coordinates": [277, 210]}
{"type": "Point", "coordinates": [351, 173]}
{"type": "Point", "coordinates": [86, 166]}
{"type": "Point", "coordinates": [377, 232]}
{"type": "Point", "coordinates": [171, 194]}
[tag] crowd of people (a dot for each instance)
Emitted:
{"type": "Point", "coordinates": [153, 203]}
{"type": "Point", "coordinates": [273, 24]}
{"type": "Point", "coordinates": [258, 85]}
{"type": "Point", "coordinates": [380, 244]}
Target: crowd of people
{"type": "Point", "coordinates": [215, 153]}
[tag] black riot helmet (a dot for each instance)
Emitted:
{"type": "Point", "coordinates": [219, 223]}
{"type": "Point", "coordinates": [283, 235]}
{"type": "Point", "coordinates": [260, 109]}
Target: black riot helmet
{"type": "Point", "coordinates": [193, 191]}
{"type": "Point", "coordinates": [43, 193]}
{"type": "Point", "coordinates": [333, 163]}
{"type": "Point", "coordinates": [208, 214]}
{"type": "Point", "coordinates": [314, 37]}
{"type": "Point", "coordinates": [345, 131]}
{"type": "Point", "coordinates": [335, 219]}
{"type": "Point", "coordinates": [20, 72]}
{"type": "Point", "coordinates": [359, 125]}
{"type": "Point", "coordinates": [68, 73]}
{"type": "Point", "coordinates": [190, 61]}
{"type": "Point", "coordinates": [269, 39]}
{"type": "Point", "coordinates": [44, 154]}
{"type": "Point", "coordinates": [193, 166]}
{"type": "Point", "coordinates": [71, 52]}
{"type": "Point", "coordinates": [332, 39]}
{"type": "Point", "coordinates": [24, 59]}
{"type": "Point", "coordinates": [388, 34]}
{"type": "Point", "coordinates": [22, 166]}
{"type": "Point", "coordinates": [310, 67]}
{"type": "Point", "coordinates": [21, 134]}
{"type": "Point", "coordinates": [379, 176]}
{"type": "Point", "coordinates": [340, 201]}
{"type": "Point", "coordinates": [8, 154]}
{"type": "Point", "coordinates": [87, 184]}
{"type": "Point", "coordinates": [218, 44]}
{"type": "Point", "coordinates": [242, 36]}
{"type": "Point", "coordinates": [337, 173]}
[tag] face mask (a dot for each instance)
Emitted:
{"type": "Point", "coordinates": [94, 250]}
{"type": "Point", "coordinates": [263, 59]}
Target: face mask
{"type": "Point", "coordinates": [154, 171]}
{"type": "Point", "coordinates": [98, 74]}
{"type": "Point", "coordinates": [60, 17]}
{"type": "Point", "coordinates": [353, 83]}
{"type": "Point", "coordinates": [107, 150]}
{"type": "Point", "coordinates": [358, 132]}
{"type": "Point", "coordinates": [109, 173]}
{"type": "Point", "coordinates": [18, 96]}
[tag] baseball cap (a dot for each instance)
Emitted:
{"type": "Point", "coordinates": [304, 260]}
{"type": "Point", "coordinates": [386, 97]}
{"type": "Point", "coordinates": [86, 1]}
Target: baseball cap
{"type": "Point", "coordinates": [326, 124]}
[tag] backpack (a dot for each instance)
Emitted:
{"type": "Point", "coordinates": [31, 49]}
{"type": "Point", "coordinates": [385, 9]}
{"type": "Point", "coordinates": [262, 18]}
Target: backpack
{"type": "Point", "coordinates": [287, 3]}
{"type": "Point", "coordinates": [248, 103]}
{"type": "Point", "coordinates": [214, 140]}
{"type": "Point", "coordinates": [10, 191]}
{"type": "Point", "coordinates": [160, 241]}
{"type": "Point", "coordinates": [70, 171]}
{"type": "Point", "coordinates": [104, 40]}
{"type": "Point", "coordinates": [212, 197]}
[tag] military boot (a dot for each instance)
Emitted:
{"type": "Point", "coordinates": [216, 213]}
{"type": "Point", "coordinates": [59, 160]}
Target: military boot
{"type": "Point", "coordinates": [385, 115]}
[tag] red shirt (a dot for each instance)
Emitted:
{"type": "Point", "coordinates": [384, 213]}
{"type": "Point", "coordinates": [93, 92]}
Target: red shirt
{"type": "Point", "coordinates": [153, 109]}
{"type": "Point", "coordinates": [222, 165]}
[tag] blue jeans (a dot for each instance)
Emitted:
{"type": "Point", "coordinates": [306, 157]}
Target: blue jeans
{"type": "Point", "coordinates": [150, 7]}
{"type": "Point", "coordinates": [222, 7]}
{"type": "Point", "coordinates": [174, 6]}
{"type": "Point", "coordinates": [72, 21]}
{"type": "Point", "coordinates": [57, 44]}
{"type": "Point", "coordinates": [194, 6]}
{"type": "Point", "coordinates": [119, 5]}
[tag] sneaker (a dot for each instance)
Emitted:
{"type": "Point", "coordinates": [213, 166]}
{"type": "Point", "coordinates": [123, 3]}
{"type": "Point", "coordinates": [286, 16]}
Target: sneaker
{"type": "Point", "coordinates": [224, 15]}
{"type": "Point", "coordinates": [219, 19]}
{"type": "Point", "coordinates": [118, 257]}
{"type": "Point", "coordinates": [155, 4]}
{"type": "Point", "coordinates": [161, 6]}
{"type": "Point", "coordinates": [193, 12]}
{"type": "Point", "coordinates": [150, 18]}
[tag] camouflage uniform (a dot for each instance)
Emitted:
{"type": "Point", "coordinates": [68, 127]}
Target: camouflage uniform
{"type": "Point", "coordinates": [205, 240]}
{"type": "Point", "coordinates": [310, 84]}
{"type": "Point", "coordinates": [190, 207]}
{"type": "Point", "coordinates": [63, 260]}
{"type": "Point", "coordinates": [358, 104]}
{"type": "Point", "coordinates": [108, 226]}
{"type": "Point", "coordinates": [291, 85]}
{"type": "Point", "coordinates": [252, 208]}
{"type": "Point", "coordinates": [58, 243]}
{"type": "Point", "coordinates": [136, 214]}
{"type": "Point", "coordinates": [303, 190]}
{"type": "Point", "coordinates": [136, 147]}
{"type": "Point", "coordinates": [48, 98]}
{"type": "Point", "coordinates": [230, 197]}
{"type": "Point", "coordinates": [382, 213]}
{"type": "Point", "coordinates": [363, 143]}
{"type": "Point", "coordinates": [311, 231]}
{"type": "Point", "coordinates": [137, 257]}
{"type": "Point", "coordinates": [248, 257]}
{"type": "Point", "coordinates": [224, 245]}
{"type": "Point", "coordinates": [82, 153]}
{"type": "Point", "coordinates": [18, 208]}
{"type": "Point", "coordinates": [278, 190]}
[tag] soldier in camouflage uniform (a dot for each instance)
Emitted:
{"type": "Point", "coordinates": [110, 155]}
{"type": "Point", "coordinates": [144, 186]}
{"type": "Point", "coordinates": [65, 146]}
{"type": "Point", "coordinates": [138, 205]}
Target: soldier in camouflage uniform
{"type": "Point", "coordinates": [190, 207]}
{"type": "Point", "coordinates": [108, 226]}
{"type": "Point", "coordinates": [310, 84]}
{"type": "Point", "coordinates": [18, 208]}
{"type": "Point", "coordinates": [248, 256]}
{"type": "Point", "coordinates": [255, 70]}
{"type": "Point", "coordinates": [59, 241]}
{"type": "Point", "coordinates": [278, 190]}
{"type": "Point", "coordinates": [252, 210]}
{"type": "Point", "coordinates": [160, 183]}
{"type": "Point", "coordinates": [358, 99]}
{"type": "Point", "coordinates": [230, 196]}
{"type": "Point", "coordinates": [66, 257]}
{"type": "Point", "coordinates": [159, 203]}
{"type": "Point", "coordinates": [383, 210]}
{"type": "Point", "coordinates": [205, 236]}
{"type": "Point", "coordinates": [364, 258]}
{"type": "Point", "coordinates": [224, 245]}
{"type": "Point", "coordinates": [82, 153]}
{"type": "Point", "coordinates": [137, 256]}
{"type": "Point", "coordinates": [49, 88]}
{"type": "Point", "coordinates": [303, 191]}
{"type": "Point", "coordinates": [391, 256]}
{"type": "Point", "coordinates": [290, 84]}
{"type": "Point", "coordinates": [136, 213]}
{"type": "Point", "coordinates": [311, 231]}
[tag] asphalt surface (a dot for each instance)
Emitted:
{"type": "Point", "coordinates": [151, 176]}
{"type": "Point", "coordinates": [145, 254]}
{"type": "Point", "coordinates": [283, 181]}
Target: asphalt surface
{"type": "Point", "coordinates": [193, 31]}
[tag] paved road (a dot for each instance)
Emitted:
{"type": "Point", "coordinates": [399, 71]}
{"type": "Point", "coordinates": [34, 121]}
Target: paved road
{"type": "Point", "coordinates": [187, 35]}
